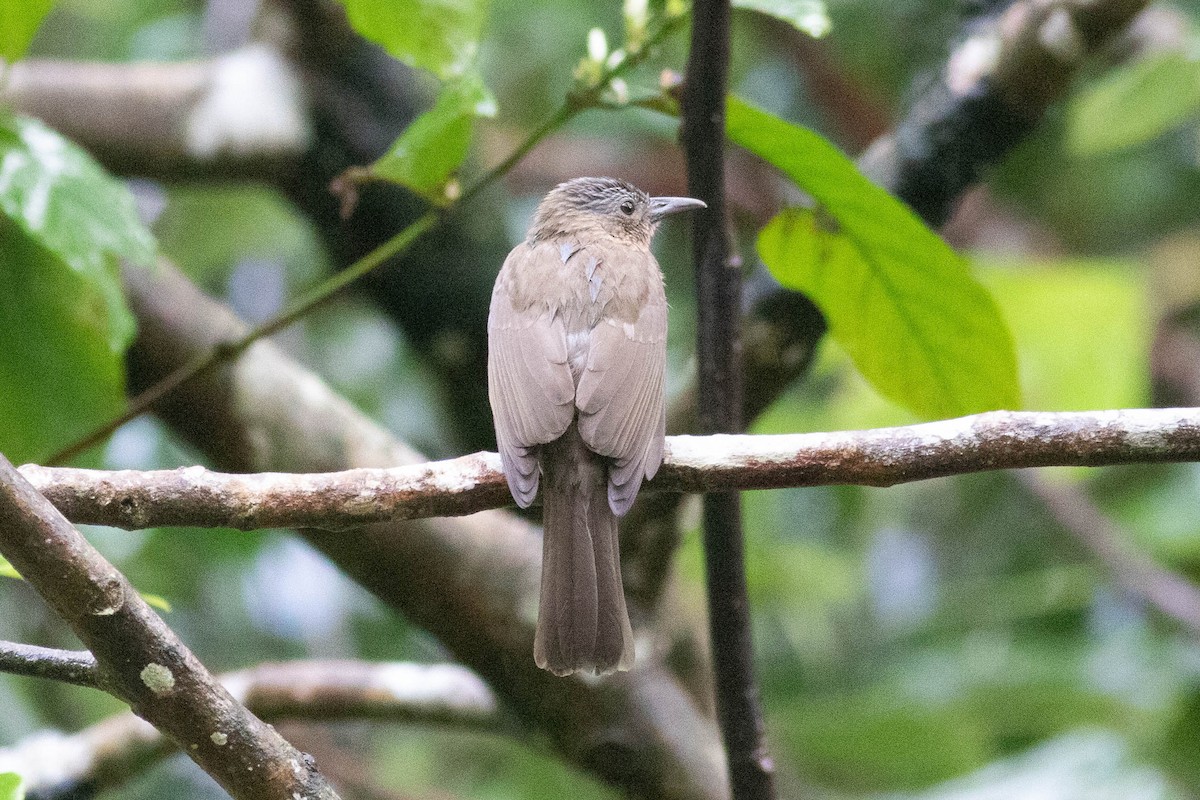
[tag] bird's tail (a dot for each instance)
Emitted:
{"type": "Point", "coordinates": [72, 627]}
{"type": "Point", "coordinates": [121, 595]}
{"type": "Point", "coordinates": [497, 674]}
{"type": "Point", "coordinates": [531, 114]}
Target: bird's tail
{"type": "Point", "coordinates": [582, 620]}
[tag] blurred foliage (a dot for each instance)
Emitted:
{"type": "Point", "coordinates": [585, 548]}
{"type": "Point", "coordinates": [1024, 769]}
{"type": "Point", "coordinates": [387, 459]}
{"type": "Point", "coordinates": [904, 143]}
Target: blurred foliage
{"type": "Point", "coordinates": [63, 224]}
{"type": "Point", "coordinates": [437, 35]}
{"type": "Point", "coordinates": [940, 641]}
{"type": "Point", "coordinates": [10, 786]}
{"type": "Point", "coordinates": [470, 765]}
{"type": "Point", "coordinates": [19, 21]}
{"type": "Point", "coordinates": [1089, 765]}
{"type": "Point", "coordinates": [1135, 104]}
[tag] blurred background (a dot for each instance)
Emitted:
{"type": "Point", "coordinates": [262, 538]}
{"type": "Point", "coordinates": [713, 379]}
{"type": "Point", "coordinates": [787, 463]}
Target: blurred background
{"type": "Point", "coordinates": [946, 639]}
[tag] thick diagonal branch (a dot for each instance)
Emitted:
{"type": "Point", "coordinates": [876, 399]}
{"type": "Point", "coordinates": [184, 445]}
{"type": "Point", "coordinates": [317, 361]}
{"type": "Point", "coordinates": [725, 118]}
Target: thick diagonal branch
{"type": "Point", "coordinates": [141, 660]}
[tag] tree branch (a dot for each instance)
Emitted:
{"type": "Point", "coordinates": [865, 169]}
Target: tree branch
{"type": "Point", "coordinates": [720, 381]}
{"type": "Point", "coordinates": [104, 755]}
{"type": "Point", "coordinates": [140, 659]}
{"type": "Point", "coordinates": [992, 92]}
{"type": "Point", "coordinates": [429, 694]}
{"type": "Point", "coordinates": [69, 666]}
{"type": "Point", "coordinates": [240, 114]}
{"type": "Point", "coordinates": [197, 497]}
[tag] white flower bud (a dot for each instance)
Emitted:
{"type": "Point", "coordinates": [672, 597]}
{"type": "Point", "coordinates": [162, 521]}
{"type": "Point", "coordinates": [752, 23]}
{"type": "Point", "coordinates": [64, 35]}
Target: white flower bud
{"type": "Point", "coordinates": [597, 45]}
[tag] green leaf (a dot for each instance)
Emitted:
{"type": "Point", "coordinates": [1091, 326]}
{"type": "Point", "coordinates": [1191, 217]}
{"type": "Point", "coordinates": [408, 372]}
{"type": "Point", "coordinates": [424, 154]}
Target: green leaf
{"type": "Point", "coordinates": [807, 16]}
{"type": "Point", "coordinates": [63, 199]}
{"type": "Point", "coordinates": [157, 601]}
{"type": "Point", "coordinates": [1134, 104]}
{"type": "Point", "coordinates": [435, 144]}
{"type": "Point", "coordinates": [898, 299]}
{"type": "Point", "coordinates": [19, 21]}
{"type": "Point", "coordinates": [7, 570]}
{"type": "Point", "coordinates": [63, 224]}
{"type": "Point", "coordinates": [441, 36]}
{"type": "Point", "coordinates": [64, 332]}
{"type": "Point", "coordinates": [10, 786]}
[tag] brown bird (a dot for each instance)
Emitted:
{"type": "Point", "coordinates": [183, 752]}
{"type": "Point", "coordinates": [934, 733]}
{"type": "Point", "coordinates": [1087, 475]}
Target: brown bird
{"type": "Point", "coordinates": [577, 348]}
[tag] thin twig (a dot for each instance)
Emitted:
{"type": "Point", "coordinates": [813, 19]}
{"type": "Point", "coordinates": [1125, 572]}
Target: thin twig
{"type": "Point", "coordinates": [1171, 593]}
{"type": "Point", "coordinates": [69, 666]}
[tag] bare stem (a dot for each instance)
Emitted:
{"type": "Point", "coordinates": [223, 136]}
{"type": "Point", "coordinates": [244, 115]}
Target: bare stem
{"type": "Point", "coordinates": [69, 666]}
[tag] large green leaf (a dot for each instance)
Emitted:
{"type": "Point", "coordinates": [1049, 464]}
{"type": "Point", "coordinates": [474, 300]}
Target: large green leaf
{"type": "Point", "coordinates": [809, 16]}
{"type": "Point", "coordinates": [10, 786]}
{"type": "Point", "coordinates": [19, 21]}
{"type": "Point", "coordinates": [898, 299]}
{"type": "Point", "coordinates": [441, 36]}
{"type": "Point", "coordinates": [63, 320]}
{"type": "Point", "coordinates": [1135, 104]}
{"type": "Point", "coordinates": [435, 144]}
{"type": "Point", "coordinates": [63, 199]}
{"type": "Point", "coordinates": [62, 335]}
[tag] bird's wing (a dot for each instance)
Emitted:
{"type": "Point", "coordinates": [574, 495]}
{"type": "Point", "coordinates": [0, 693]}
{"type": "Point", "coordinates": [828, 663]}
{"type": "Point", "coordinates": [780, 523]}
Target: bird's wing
{"type": "Point", "coordinates": [529, 381]}
{"type": "Point", "coordinates": [620, 396]}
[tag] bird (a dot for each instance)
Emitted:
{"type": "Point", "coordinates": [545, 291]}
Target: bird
{"type": "Point", "coordinates": [577, 348]}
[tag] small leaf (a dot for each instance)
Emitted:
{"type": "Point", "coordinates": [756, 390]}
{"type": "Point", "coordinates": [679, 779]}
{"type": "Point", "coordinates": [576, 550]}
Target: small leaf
{"type": "Point", "coordinates": [1135, 104]}
{"type": "Point", "coordinates": [435, 144]}
{"type": "Point", "coordinates": [19, 21]}
{"type": "Point", "coordinates": [7, 570]}
{"type": "Point", "coordinates": [898, 299]}
{"type": "Point", "coordinates": [441, 36]}
{"type": "Point", "coordinates": [157, 601]}
{"type": "Point", "coordinates": [807, 16]}
{"type": "Point", "coordinates": [10, 786]}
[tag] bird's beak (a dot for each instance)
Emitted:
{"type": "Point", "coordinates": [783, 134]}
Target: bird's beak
{"type": "Point", "coordinates": [662, 206]}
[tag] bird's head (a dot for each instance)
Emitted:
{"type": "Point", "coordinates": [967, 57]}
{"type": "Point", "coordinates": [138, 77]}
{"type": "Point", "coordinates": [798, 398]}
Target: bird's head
{"type": "Point", "coordinates": [604, 205]}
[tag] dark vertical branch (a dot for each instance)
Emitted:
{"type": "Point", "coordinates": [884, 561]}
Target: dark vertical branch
{"type": "Point", "coordinates": [718, 289]}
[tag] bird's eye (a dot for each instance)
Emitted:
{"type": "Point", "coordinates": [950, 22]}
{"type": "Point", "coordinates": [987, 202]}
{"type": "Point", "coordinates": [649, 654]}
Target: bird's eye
{"type": "Point", "coordinates": [627, 207]}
